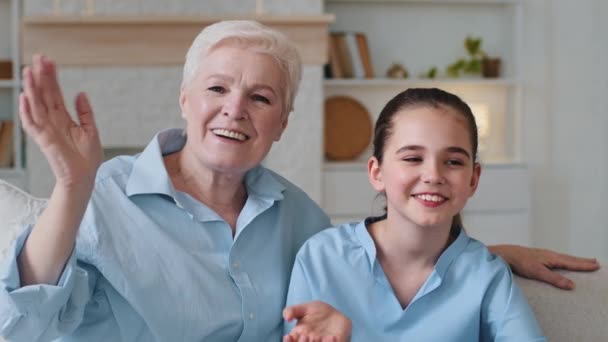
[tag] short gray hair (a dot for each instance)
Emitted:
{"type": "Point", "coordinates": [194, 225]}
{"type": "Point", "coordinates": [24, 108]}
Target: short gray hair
{"type": "Point", "coordinates": [254, 37]}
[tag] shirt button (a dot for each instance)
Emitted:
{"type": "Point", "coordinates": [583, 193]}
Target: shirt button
{"type": "Point", "coordinates": [235, 264]}
{"type": "Point", "coordinates": [251, 316]}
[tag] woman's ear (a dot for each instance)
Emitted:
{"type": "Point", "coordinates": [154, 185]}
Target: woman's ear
{"type": "Point", "coordinates": [374, 174]}
{"type": "Point", "coordinates": [284, 122]}
{"type": "Point", "coordinates": [182, 101]}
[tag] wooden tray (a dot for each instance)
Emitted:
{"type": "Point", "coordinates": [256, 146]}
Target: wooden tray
{"type": "Point", "coordinates": [348, 128]}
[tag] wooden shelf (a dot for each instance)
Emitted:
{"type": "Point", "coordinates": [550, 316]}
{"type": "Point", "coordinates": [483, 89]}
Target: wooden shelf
{"type": "Point", "coordinates": [426, 2]}
{"type": "Point", "coordinates": [151, 40]}
{"type": "Point", "coordinates": [405, 83]}
{"type": "Point", "coordinates": [7, 84]}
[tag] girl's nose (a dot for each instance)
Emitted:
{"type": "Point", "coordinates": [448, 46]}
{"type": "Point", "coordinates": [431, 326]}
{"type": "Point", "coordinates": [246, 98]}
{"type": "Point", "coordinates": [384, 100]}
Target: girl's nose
{"type": "Point", "coordinates": [432, 174]}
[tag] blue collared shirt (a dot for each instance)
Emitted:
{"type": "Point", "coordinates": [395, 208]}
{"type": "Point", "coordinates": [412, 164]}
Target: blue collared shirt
{"type": "Point", "coordinates": [153, 264]}
{"type": "Point", "coordinates": [469, 296]}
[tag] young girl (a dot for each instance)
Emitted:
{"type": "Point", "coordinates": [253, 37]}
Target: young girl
{"type": "Point", "coordinates": [413, 273]}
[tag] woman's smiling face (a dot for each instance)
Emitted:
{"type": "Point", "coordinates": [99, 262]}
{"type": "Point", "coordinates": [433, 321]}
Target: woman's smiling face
{"type": "Point", "coordinates": [234, 109]}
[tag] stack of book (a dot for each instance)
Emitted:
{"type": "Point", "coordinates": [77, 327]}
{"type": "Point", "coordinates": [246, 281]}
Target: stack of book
{"type": "Point", "coordinates": [349, 56]}
{"type": "Point", "coordinates": [6, 144]}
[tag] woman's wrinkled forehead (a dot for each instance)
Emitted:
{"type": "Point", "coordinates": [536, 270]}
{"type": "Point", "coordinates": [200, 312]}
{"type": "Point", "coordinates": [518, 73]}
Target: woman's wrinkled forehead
{"type": "Point", "coordinates": [245, 46]}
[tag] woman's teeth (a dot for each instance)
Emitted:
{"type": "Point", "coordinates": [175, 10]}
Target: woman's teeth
{"type": "Point", "coordinates": [230, 134]}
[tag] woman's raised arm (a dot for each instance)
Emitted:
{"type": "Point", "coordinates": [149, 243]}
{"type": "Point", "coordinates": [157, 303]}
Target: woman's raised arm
{"type": "Point", "coordinates": [73, 151]}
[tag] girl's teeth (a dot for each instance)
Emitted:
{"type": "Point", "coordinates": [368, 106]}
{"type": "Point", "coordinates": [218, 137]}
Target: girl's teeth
{"type": "Point", "coordinates": [430, 198]}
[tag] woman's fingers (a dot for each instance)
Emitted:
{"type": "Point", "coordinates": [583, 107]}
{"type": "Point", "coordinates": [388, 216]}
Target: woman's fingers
{"type": "Point", "coordinates": [25, 115]}
{"type": "Point", "coordinates": [37, 110]}
{"type": "Point", "coordinates": [51, 92]}
{"type": "Point", "coordinates": [85, 113]}
{"type": "Point", "coordinates": [572, 263]}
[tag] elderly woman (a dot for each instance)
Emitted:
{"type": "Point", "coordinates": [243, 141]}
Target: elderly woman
{"type": "Point", "coordinates": [190, 240]}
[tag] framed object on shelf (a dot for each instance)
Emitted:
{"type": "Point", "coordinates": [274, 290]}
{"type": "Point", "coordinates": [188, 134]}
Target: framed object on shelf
{"type": "Point", "coordinates": [348, 128]}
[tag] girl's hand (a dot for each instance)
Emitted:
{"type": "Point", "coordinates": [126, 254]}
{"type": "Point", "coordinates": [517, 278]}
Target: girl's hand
{"type": "Point", "coordinates": [73, 149]}
{"type": "Point", "coordinates": [317, 322]}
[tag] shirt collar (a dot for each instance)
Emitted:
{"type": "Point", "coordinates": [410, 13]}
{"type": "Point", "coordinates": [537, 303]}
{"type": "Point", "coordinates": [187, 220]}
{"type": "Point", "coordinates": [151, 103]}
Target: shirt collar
{"type": "Point", "coordinates": [446, 258]}
{"type": "Point", "coordinates": [452, 252]}
{"type": "Point", "coordinates": [366, 239]}
{"type": "Point", "coordinates": [149, 175]}
{"type": "Point", "coordinates": [263, 183]}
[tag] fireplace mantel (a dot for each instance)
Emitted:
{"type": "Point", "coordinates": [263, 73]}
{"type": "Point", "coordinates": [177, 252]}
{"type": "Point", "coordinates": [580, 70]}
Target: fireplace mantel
{"type": "Point", "coordinates": [151, 40]}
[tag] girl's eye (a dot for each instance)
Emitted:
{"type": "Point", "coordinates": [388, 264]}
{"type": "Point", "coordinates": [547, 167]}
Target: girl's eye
{"type": "Point", "coordinates": [217, 89]}
{"type": "Point", "coordinates": [412, 159]}
{"type": "Point", "coordinates": [455, 162]}
{"type": "Point", "coordinates": [263, 99]}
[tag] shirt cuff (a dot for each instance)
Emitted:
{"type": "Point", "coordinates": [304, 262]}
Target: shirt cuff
{"type": "Point", "coordinates": [32, 307]}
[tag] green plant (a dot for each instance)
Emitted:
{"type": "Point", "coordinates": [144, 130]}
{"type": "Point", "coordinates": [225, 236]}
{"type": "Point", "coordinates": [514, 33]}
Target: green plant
{"type": "Point", "coordinates": [431, 73]}
{"type": "Point", "coordinates": [470, 64]}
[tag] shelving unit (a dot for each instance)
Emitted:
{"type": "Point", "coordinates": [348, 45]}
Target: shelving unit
{"type": "Point", "coordinates": [10, 14]}
{"type": "Point", "coordinates": [419, 35]}
{"type": "Point", "coordinates": [417, 82]}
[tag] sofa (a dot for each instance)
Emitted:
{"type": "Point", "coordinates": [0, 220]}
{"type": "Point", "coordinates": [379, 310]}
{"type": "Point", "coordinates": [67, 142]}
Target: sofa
{"type": "Point", "coordinates": [580, 315]}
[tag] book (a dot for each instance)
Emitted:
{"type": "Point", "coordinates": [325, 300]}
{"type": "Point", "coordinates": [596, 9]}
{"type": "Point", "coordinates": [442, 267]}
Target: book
{"type": "Point", "coordinates": [334, 58]}
{"type": "Point", "coordinates": [343, 54]}
{"type": "Point", "coordinates": [355, 56]}
{"type": "Point", "coordinates": [6, 144]}
{"type": "Point", "coordinates": [365, 55]}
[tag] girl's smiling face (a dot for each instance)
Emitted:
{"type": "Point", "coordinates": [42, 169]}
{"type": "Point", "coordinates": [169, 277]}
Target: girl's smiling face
{"type": "Point", "coordinates": [428, 171]}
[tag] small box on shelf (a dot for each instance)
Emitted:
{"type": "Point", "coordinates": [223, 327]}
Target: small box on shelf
{"type": "Point", "coordinates": [6, 69]}
{"type": "Point", "coordinates": [7, 155]}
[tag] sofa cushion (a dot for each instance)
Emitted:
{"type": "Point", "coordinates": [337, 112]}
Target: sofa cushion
{"type": "Point", "coordinates": [17, 209]}
{"type": "Point", "coordinates": [577, 315]}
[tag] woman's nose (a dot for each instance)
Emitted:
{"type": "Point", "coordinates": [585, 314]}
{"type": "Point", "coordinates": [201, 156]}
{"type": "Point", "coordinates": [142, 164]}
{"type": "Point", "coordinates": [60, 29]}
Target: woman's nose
{"type": "Point", "coordinates": [235, 106]}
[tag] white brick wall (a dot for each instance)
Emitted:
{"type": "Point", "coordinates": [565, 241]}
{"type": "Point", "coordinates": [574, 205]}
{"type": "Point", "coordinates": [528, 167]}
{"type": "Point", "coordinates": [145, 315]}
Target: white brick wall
{"type": "Point", "coordinates": [298, 156]}
{"type": "Point", "coordinates": [133, 103]}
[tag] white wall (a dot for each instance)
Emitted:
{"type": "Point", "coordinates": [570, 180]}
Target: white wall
{"type": "Point", "coordinates": [566, 124]}
{"type": "Point", "coordinates": [565, 127]}
{"type": "Point", "coordinates": [146, 97]}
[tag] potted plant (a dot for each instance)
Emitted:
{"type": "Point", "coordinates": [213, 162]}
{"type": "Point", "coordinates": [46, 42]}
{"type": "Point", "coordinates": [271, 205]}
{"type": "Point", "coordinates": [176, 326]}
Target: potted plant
{"type": "Point", "coordinates": [477, 62]}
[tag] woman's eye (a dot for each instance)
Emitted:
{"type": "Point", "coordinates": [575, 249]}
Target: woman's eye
{"type": "Point", "coordinates": [217, 89]}
{"type": "Point", "coordinates": [412, 159]}
{"type": "Point", "coordinates": [263, 99]}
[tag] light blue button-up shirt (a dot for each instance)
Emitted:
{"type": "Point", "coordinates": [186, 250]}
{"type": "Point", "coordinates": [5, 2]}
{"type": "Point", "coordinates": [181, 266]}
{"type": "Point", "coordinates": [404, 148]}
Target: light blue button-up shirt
{"type": "Point", "coordinates": [153, 264]}
{"type": "Point", "coordinates": [470, 295]}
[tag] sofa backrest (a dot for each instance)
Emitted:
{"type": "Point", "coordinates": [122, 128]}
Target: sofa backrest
{"type": "Point", "coordinates": [580, 315]}
{"type": "Point", "coordinates": [16, 209]}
